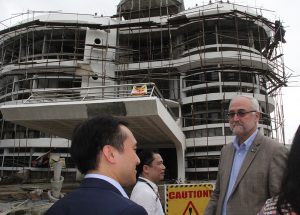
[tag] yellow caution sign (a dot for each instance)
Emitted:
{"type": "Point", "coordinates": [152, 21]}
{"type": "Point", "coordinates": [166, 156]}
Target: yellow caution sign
{"type": "Point", "coordinates": [187, 199]}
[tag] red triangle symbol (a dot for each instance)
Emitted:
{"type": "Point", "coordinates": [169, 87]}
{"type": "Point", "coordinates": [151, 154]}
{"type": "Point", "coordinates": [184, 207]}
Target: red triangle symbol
{"type": "Point", "coordinates": [190, 209]}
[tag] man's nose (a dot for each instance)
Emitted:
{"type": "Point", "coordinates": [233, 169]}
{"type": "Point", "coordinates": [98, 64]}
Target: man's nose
{"type": "Point", "coordinates": [138, 160]}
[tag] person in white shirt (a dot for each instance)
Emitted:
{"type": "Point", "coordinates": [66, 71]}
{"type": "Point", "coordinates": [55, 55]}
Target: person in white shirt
{"type": "Point", "coordinates": [151, 171]}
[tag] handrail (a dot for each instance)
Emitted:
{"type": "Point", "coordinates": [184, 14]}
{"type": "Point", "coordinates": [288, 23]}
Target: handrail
{"type": "Point", "coordinates": [136, 90]}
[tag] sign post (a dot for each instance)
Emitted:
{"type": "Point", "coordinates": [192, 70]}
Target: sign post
{"type": "Point", "coordinates": [187, 199]}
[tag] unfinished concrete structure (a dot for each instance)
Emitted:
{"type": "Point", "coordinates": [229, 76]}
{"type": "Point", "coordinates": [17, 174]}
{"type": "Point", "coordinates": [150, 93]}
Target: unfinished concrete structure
{"type": "Point", "coordinates": [59, 69]}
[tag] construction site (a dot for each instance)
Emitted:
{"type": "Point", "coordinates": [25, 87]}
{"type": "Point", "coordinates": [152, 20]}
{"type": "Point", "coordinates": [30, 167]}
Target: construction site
{"type": "Point", "coordinates": [169, 71]}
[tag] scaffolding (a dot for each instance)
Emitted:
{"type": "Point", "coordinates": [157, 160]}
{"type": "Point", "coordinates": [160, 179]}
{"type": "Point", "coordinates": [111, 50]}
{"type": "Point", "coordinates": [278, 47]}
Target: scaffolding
{"type": "Point", "coordinates": [200, 57]}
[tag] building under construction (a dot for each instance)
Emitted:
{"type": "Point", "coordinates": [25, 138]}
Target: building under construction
{"type": "Point", "coordinates": [169, 71]}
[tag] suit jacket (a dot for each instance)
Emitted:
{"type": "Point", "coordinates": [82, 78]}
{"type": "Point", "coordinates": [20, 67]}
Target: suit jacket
{"type": "Point", "coordinates": [259, 177]}
{"type": "Point", "coordinates": [95, 196]}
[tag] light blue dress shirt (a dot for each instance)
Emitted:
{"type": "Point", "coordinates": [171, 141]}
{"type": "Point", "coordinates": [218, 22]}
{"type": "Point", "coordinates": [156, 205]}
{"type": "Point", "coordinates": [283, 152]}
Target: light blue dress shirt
{"type": "Point", "coordinates": [239, 156]}
{"type": "Point", "coordinates": [109, 180]}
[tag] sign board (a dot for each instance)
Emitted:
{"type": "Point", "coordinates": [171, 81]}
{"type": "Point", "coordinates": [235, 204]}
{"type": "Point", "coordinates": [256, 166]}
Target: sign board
{"type": "Point", "coordinates": [139, 90]}
{"type": "Point", "coordinates": [187, 199]}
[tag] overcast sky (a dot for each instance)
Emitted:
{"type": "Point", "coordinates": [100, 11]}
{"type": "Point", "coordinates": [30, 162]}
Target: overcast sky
{"type": "Point", "coordinates": [287, 11]}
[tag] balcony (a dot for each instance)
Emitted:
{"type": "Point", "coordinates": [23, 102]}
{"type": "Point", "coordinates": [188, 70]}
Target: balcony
{"type": "Point", "coordinates": [57, 111]}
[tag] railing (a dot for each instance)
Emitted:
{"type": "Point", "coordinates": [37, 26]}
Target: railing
{"type": "Point", "coordinates": [137, 90]}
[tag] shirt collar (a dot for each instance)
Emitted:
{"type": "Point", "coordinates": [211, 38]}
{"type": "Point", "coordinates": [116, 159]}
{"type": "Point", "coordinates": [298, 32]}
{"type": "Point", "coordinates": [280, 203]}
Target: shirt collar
{"type": "Point", "coordinates": [245, 144]}
{"type": "Point", "coordinates": [109, 180]}
{"type": "Point", "coordinates": [150, 182]}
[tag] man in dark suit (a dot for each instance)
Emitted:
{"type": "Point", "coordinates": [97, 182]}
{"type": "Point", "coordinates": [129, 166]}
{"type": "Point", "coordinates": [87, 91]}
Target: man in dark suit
{"type": "Point", "coordinates": [103, 149]}
{"type": "Point", "coordinates": [251, 167]}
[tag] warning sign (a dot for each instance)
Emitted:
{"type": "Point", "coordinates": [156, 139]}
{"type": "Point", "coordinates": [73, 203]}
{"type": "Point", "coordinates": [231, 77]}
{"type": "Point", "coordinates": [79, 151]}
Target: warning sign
{"type": "Point", "coordinates": [190, 209]}
{"type": "Point", "coordinates": [139, 90]}
{"type": "Point", "coordinates": [187, 199]}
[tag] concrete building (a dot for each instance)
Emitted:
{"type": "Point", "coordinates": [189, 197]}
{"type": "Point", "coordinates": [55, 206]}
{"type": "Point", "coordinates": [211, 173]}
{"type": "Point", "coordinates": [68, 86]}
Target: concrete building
{"type": "Point", "coordinates": [169, 71]}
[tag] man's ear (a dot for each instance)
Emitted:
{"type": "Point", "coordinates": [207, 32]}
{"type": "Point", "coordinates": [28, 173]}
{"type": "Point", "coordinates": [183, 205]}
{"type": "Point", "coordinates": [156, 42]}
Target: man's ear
{"type": "Point", "coordinates": [109, 153]}
{"type": "Point", "coordinates": [257, 115]}
{"type": "Point", "coordinates": [145, 169]}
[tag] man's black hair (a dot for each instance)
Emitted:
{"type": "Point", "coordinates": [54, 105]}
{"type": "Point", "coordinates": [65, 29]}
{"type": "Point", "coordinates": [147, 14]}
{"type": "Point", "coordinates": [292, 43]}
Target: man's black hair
{"type": "Point", "coordinates": [290, 188]}
{"type": "Point", "coordinates": [146, 158]}
{"type": "Point", "coordinates": [89, 138]}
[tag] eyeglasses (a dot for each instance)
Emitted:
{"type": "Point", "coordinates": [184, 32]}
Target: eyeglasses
{"type": "Point", "coordinates": [239, 113]}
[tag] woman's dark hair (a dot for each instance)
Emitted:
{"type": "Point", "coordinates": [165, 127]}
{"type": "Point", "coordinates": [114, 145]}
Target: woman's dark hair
{"type": "Point", "coordinates": [89, 138]}
{"type": "Point", "coordinates": [290, 188]}
{"type": "Point", "coordinates": [146, 158]}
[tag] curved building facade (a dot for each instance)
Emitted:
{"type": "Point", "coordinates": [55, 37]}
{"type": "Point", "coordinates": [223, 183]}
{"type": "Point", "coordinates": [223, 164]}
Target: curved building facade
{"type": "Point", "coordinates": [48, 52]}
{"type": "Point", "coordinates": [203, 57]}
{"type": "Point", "coordinates": [198, 58]}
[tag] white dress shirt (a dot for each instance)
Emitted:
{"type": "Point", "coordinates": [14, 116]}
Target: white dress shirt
{"type": "Point", "coordinates": [147, 197]}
